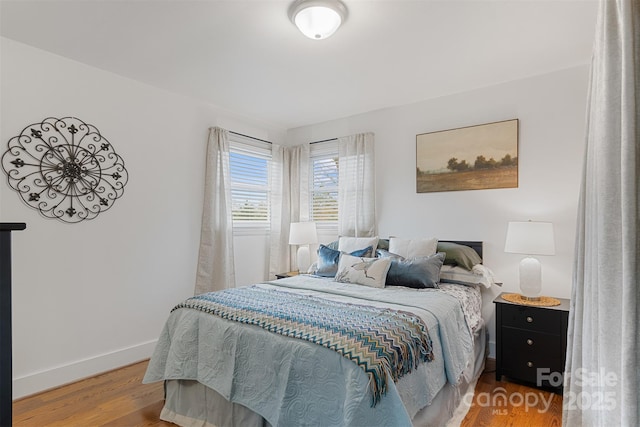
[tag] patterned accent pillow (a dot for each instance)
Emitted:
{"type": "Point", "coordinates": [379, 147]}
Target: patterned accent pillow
{"type": "Point", "coordinates": [363, 271]}
{"type": "Point", "coordinates": [328, 259]}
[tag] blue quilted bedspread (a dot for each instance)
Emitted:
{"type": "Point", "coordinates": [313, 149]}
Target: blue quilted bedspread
{"type": "Point", "coordinates": [295, 382]}
{"type": "Point", "coordinates": [385, 343]}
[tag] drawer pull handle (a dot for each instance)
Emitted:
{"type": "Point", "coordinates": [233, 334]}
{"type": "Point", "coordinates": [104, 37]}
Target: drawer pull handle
{"type": "Point", "coordinates": [529, 319]}
{"type": "Point", "coordinates": [530, 364]}
{"type": "Point", "coordinates": [530, 341]}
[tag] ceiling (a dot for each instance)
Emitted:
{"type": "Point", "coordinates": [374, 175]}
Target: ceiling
{"type": "Point", "coordinates": [245, 56]}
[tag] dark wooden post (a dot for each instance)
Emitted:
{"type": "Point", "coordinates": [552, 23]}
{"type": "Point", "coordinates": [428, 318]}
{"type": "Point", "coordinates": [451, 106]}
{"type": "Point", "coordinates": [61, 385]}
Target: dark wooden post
{"type": "Point", "coordinates": [6, 376]}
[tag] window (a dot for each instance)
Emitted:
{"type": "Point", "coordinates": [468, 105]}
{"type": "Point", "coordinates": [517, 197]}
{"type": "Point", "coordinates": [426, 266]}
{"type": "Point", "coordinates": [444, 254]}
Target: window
{"type": "Point", "coordinates": [249, 170]}
{"type": "Point", "coordinates": [324, 184]}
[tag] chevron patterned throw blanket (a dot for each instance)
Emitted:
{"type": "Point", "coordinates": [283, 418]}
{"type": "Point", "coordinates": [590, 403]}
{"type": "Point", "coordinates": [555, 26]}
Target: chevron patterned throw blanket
{"type": "Point", "coordinates": [385, 343]}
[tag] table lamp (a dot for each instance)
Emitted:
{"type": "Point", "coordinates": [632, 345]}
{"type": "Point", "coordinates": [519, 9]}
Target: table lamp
{"type": "Point", "coordinates": [530, 238]}
{"type": "Point", "coordinates": [303, 234]}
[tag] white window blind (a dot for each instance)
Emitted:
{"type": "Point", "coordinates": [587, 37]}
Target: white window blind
{"type": "Point", "coordinates": [324, 184]}
{"type": "Point", "coordinates": [249, 170]}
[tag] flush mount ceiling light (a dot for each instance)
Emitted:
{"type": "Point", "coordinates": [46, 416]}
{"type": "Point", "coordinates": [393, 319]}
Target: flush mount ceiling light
{"type": "Point", "coordinates": [318, 19]}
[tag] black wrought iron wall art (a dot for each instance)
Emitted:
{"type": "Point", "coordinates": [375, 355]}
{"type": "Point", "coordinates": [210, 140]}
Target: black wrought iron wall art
{"type": "Point", "coordinates": [65, 169]}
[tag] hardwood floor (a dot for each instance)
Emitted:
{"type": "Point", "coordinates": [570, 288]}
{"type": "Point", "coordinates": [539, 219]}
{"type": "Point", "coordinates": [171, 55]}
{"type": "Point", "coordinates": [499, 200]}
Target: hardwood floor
{"type": "Point", "coordinates": [521, 406]}
{"type": "Point", "coordinates": [116, 398]}
{"type": "Point", "coordinates": [119, 399]}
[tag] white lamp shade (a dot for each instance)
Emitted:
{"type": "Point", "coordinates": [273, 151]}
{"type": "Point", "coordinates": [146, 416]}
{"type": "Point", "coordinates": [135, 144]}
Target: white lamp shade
{"type": "Point", "coordinates": [530, 238]}
{"type": "Point", "coordinates": [303, 233]}
{"type": "Point", "coordinates": [318, 19]}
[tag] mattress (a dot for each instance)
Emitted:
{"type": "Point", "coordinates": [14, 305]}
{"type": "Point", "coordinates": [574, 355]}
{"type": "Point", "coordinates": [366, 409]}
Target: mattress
{"type": "Point", "coordinates": [220, 372]}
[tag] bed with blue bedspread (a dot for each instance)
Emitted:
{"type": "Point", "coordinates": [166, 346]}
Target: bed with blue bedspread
{"type": "Point", "coordinates": [306, 351]}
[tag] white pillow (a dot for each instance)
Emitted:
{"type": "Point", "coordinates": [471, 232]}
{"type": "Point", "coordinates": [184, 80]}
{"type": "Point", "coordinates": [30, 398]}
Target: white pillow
{"type": "Point", "coordinates": [480, 275]}
{"type": "Point", "coordinates": [413, 248]}
{"type": "Point", "coordinates": [350, 244]}
{"type": "Point", "coordinates": [363, 271]}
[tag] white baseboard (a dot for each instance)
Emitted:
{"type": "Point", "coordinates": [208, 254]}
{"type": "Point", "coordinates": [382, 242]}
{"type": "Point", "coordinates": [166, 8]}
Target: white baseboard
{"type": "Point", "coordinates": [80, 369]}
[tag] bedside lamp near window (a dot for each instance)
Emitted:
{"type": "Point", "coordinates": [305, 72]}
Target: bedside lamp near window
{"type": "Point", "coordinates": [530, 238]}
{"type": "Point", "coordinates": [303, 234]}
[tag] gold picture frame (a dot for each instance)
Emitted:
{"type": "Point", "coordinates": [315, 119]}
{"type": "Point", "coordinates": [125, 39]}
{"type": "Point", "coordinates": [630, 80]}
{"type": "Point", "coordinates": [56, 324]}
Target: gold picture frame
{"type": "Point", "coordinates": [469, 158]}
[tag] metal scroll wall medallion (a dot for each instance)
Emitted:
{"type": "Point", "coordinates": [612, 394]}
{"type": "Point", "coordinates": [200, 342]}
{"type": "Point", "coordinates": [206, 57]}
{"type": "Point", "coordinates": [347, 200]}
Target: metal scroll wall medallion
{"type": "Point", "coordinates": [65, 169]}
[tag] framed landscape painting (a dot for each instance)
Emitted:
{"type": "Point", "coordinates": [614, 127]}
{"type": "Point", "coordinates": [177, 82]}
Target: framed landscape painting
{"type": "Point", "coordinates": [469, 158]}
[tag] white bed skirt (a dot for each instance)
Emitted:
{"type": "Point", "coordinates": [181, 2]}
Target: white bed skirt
{"type": "Point", "coordinates": [191, 404]}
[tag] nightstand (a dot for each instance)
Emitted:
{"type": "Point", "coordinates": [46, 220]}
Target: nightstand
{"type": "Point", "coordinates": [531, 343]}
{"type": "Point", "coordinates": [288, 274]}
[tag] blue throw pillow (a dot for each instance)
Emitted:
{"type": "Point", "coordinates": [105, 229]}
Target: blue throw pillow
{"type": "Point", "coordinates": [418, 273]}
{"type": "Point", "coordinates": [328, 259]}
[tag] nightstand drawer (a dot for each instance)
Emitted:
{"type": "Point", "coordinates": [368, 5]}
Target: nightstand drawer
{"type": "Point", "coordinates": [531, 318]}
{"type": "Point", "coordinates": [543, 350]}
{"type": "Point", "coordinates": [527, 349]}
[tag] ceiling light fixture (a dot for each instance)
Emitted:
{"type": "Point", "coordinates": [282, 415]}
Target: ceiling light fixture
{"type": "Point", "coordinates": [318, 19]}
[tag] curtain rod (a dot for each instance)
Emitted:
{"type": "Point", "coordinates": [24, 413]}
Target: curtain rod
{"type": "Point", "coordinates": [250, 137]}
{"type": "Point", "coordinates": [324, 140]}
{"type": "Point", "coordinates": [269, 142]}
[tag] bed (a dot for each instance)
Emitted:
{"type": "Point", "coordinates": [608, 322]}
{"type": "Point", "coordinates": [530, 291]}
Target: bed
{"type": "Point", "coordinates": [222, 367]}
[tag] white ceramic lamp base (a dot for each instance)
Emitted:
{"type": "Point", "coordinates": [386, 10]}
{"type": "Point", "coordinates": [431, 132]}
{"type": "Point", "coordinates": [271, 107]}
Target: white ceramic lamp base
{"type": "Point", "coordinates": [304, 258]}
{"type": "Point", "coordinates": [530, 278]}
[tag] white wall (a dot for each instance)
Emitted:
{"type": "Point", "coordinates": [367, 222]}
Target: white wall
{"type": "Point", "coordinates": [551, 109]}
{"type": "Point", "coordinates": [93, 296]}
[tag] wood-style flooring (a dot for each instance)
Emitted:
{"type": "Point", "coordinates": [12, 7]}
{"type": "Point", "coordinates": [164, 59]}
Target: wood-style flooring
{"type": "Point", "coordinates": [116, 398]}
{"type": "Point", "coordinates": [522, 406]}
{"type": "Point", "coordinates": [119, 399]}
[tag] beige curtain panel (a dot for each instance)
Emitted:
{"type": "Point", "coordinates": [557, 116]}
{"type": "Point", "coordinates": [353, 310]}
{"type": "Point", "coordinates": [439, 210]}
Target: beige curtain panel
{"type": "Point", "coordinates": [602, 378]}
{"type": "Point", "coordinates": [215, 257]}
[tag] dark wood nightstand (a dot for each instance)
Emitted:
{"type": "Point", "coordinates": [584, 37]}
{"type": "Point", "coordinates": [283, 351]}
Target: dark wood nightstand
{"type": "Point", "coordinates": [289, 274]}
{"type": "Point", "coordinates": [531, 343]}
